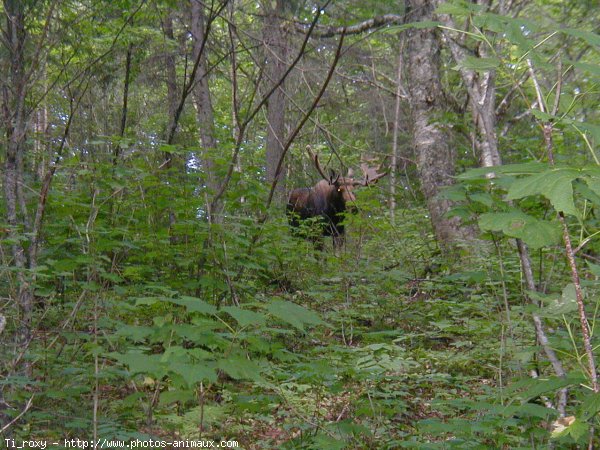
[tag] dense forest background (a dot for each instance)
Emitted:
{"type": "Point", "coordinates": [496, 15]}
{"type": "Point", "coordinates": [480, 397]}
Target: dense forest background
{"type": "Point", "coordinates": [151, 287]}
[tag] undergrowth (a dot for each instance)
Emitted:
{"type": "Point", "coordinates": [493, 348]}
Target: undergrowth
{"type": "Point", "coordinates": [276, 345]}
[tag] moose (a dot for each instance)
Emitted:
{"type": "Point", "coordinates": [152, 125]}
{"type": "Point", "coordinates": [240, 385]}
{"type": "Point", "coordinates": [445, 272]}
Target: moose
{"type": "Point", "coordinates": [328, 200]}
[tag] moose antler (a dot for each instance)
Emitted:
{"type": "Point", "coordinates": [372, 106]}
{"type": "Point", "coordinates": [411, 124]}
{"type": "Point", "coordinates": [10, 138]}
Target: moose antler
{"type": "Point", "coordinates": [371, 174]}
{"type": "Point", "coordinates": [315, 159]}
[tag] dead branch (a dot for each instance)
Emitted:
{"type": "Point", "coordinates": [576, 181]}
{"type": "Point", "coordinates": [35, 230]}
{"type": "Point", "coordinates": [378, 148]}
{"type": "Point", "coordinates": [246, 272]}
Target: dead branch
{"type": "Point", "coordinates": [323, 31]}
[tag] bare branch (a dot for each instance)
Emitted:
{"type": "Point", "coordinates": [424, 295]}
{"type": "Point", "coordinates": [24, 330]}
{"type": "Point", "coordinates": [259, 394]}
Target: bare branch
{"type": "Point", "coordinates": [21, 414]}
{"type": "Point", "coordinates": [331, 31]}
{"type": "Point", "coordinates": [255, 111]}
{"type": "Point", "coordinates": [294, 133]}
{"type": "Point", "coordinates": [548, 130]}
{"type": "Point", "coordinates": [187, 89]}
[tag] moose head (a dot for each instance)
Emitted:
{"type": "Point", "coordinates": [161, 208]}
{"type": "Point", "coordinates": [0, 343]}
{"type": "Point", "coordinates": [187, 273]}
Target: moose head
{"type": "Point", "coordinates": [329, 199]}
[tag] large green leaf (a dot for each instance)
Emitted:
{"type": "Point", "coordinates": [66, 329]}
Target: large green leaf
{"type": "Point", "coordinates": [537, 387]}
{"type": "Point", "coordinates": [557, 306]}
{"type": "Point", "coordinates": [594, 184]}
{"type": "Point", "coordinates": [534, 410]}
{"type": "Point", "coordinates": [192, 304]}
{"type": "Point", "coordinates": [195, 373]}
{"type": "Point", "coordinates": [240, 368]}
{"type": "Point", "coordinates": [136, 333]}
{"type": "Point", "coordinates": [590, 37]}
{"type": "Point", "coordinates": [395, 29]}
{"type": "Point", "coordinates": [554, 184]}
{"type": "Point", "coordinates": [295, 315]}
{"type": "Point", "coordinates": [508, 169]}
{"type": "Point", "coordinates": [534, 232]}
{"type": "Point", "coordinates": [245, 317]}
{"type": "Point", "coordinates": [594, 69]}
{"type": "Point", "coordinates": [142, 363]}
{"type": "Point", "coordinates": [590, 406]}
{"type": "Point", "coordinates": [479, 64]}
{"type": "Point", "coordinates": [177, 395]}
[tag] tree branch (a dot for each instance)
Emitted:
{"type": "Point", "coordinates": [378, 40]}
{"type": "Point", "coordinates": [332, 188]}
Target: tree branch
{"type": "Point", "coordinates": [255, 111]}
{"type": "Point", "coordinates": [21, 414]}
{"type": "Point", "coordinates": [323, 31]}
{"type": "Point", "coordinates": [294, 133]}
{"type": "Point", "coordinates": [187, 89]}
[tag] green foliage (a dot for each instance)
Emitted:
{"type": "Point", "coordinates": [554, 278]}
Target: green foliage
{"type": "Point", "coordinates": [175, 326]}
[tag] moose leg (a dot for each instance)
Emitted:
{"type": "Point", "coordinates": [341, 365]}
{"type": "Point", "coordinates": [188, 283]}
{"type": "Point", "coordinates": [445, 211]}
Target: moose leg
{"type": "Point", "coordinates": [319, 243]}
{"type": "Point", "coordinates": [338, 243]}
{"type": "Point", "coordinates": [337, 233]}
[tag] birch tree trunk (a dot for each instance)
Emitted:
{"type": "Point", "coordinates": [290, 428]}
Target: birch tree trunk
{"type": "Point", "coordinates": [435, 156]}
{"type": "Point", "coordinates": [481, 90]}
{"type": "Point", "coordinates": [481, 87]}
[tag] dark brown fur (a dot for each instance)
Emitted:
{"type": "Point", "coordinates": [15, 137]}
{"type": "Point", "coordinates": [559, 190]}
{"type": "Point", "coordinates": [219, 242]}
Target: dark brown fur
{"type": "Point", "coordinates": [328, 200]}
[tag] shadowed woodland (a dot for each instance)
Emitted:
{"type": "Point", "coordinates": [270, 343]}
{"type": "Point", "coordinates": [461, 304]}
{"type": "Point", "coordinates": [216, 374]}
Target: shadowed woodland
{"type": "Point", "coordinates": [297, 224]}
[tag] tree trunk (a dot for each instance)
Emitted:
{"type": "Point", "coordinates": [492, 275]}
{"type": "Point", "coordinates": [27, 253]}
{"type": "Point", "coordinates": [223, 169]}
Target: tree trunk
{"type": "Point", "coordinates": [481, 87]}
{"type": "Point", "coordinates": [172, 104]}
{"type": "Point", "coordinates": [395, 132]}
{"type": "Point", "coordinates": [275, 48]}
{"type": "Point", "coordinates": [435, 156]}
{"type": "Point", "coordinates": [15, 123]}
{"type": "Point", "coordinates": [123, 124]}
{"type": "Point", "coordinates": [204, 108]}
{"type": "Point", "coordinates": [171, 82]}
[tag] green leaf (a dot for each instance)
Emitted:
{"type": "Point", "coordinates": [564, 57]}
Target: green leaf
{"type": "Point", "coordinates": [534, 410]}
{"type": "Point", "coordinates": [195, 373]}
{"type": "Point", "coordinates": [563, 305]}
{"type": "Point", "coordinates": [456, 193]}
{"type": "Point", "coordinates": [588, 193]}
{"type": "Point", "coordinates": [594, 268]}
{"type": "Point", "coordinates": [326, 442]}
{"type": "Point", "coordinates": [245, 317]}
{"type": "Point", "coordinates": [542, 115]}
{"type": "Point", "coordinates": [555, 184]}
{"type": "Point", "coordinates": [509, 169]}
{"type": "Point", "coordinates": [593, 69]}
{"type": "Point", "coordinates": [168, 148]}
{"type": "Point", "coordinates": [490, 21]}
{"type": "Point", "coordinates": [482, 197]}
{"type": "Point", "coordinates": [591, 38]}
{"type": "Point", "coordinates": [177, 395]}
{"type": "Point", "coordinates": [395, 29]}
{"type": "Point", "coordinates": [192, 304]}
{"type": "Point", "coordinates": [534, 232]}
{"type": "Point", "coordinates": [578, 430]}
{"type": "Point", "coordinates": [591, 128]}
{"type": "Point", "coordinates": [141, 363]}
{"type": "Point", "coordinates": [543, 386]}
{"type": "Point", "coordinates": [294, 314]}
{"type": "Point", "coordinates": [593, 183]}
{"type": "Point", "coordinates": [479, 64]}
{"type": "Point", "coordinates": [135, 333]}
{"type": "Point", "coordinates": [240, 368]}
{"type": "Point", "coordinates": [590, 406]}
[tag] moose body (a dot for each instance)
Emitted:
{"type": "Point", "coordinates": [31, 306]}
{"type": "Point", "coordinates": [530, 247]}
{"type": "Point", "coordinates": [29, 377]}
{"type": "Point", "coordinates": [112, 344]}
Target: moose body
{"type": "Point", "coordinates": [328, 200]}
{"type": "Point", "coordinates": [325, 201]}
